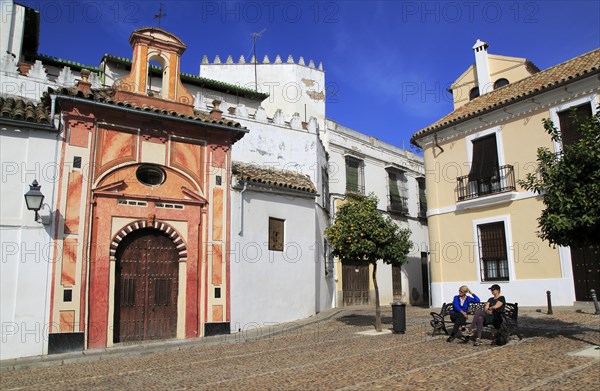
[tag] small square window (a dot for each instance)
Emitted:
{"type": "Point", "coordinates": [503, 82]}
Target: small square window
{"type": "Point", "coordinates": [217, 293]}
{"type": "Point", "coordinates": [218, 180]}
{"type": "Point", "coordinates": [275, 234]}
{"type": "Point", "coordinates": [76, 161]}
{"type": "Point", "coordinates": [67, 295]}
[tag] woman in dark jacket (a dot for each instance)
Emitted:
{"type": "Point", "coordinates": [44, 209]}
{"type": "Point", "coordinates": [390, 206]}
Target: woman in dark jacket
{"type": "Point", "coordinates": [491, 314]}
{"type": "Point", "coordinates": [460, 305]}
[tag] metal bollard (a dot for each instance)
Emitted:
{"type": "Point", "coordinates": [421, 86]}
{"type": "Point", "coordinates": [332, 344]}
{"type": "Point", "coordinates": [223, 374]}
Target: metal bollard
{"type": "Point", "coordinates": [595, 299]}
{"type": "Point", "coordinates": [549, 302]}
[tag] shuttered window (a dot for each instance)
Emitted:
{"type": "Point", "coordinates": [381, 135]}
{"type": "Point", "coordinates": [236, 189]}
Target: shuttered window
{"type": "Point", "coordinates": [569, 122]}
{"type": "Point", "coordinates": [485, 158]}
{"type": "Point", "coordinates": [492, 252]}
{"type": "Point", "coordinates": [276, 234]}
{"type": "Point", "coordinates": [325, 188]}
{"type": "Point", "coordinates": [328, 259]}
{"type": "Point", "coordinates": [422, 197]}
{"type": "Point", "coordinates": [397, 191]}
{"type": "Point", "coordinates": [354, 175]}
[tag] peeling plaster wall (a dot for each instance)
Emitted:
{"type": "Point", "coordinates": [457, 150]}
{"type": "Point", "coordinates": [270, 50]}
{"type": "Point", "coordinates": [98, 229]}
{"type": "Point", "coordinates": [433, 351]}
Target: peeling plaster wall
{"type": "Point", "coordinates": [292, 88]}
{"type": "Point", "coordinates": [279, 147]}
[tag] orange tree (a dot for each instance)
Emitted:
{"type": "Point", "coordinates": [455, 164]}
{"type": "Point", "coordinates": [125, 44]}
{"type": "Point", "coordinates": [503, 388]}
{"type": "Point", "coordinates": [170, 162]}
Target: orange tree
{"type": "Point", "coordinates": [361, 233]}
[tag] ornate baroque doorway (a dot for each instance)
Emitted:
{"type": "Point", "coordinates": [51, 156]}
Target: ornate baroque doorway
{"type": "Point", "coordinates": [146, 287]}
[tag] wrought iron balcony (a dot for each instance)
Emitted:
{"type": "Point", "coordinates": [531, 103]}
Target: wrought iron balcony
{"type": "Point", "coordinates": [397, 204]}
{"type": "Point", "coordinates": [502, 180]}
{"type": "Point", "coordinates": [353, 188]}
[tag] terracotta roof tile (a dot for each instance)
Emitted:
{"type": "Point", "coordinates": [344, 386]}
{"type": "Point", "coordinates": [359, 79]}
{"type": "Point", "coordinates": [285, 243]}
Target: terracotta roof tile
{"type": "Point", "coordinates": [21, 110]}
{"type": "Point", "coordinates": [107, 95]}
{"type": "Point", "coordinates": [273, 177]}
{"type": "Point", "coordinates": [535, 84]}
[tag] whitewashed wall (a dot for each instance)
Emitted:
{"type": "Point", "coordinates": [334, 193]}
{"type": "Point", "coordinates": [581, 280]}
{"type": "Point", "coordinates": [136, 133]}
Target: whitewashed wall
{"type": "Point", "coordinates": [271, 286]}
{"type": "Point", "coordinates": [292, 87]}
{"type": "Point", "coordinates": [27, 247]}
{"type": "Point", "coordinates": [11, 28]}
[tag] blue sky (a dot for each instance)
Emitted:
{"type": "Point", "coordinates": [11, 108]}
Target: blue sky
{"type": "Point", "coordinates": [388, 62]}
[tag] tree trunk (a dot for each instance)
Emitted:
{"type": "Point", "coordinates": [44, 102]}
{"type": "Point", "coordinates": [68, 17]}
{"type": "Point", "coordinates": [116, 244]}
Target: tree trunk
{"type": "Point", "coordinates": [377, 306]}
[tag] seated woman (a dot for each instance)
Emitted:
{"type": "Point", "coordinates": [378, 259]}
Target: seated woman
{"type": "Point", "coordinates": [489, 315]}
{"type": "Point", "coordinates": [460, 305]}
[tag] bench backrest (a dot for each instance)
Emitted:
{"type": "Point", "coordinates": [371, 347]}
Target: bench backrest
{"type": "Point", "coordinates": [510, 309]}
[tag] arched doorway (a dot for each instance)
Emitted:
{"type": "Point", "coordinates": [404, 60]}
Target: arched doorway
{"type": "Point", "coordinates": [146, 286]}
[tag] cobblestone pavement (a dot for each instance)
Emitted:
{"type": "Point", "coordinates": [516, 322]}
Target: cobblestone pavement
{"type": "Point", "coordinates": [331, 355]}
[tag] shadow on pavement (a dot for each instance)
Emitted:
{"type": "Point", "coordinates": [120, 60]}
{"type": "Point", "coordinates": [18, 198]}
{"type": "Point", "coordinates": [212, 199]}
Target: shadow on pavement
{"type": "Point", "coordinates": [554, 328]}
{"type": "Point", "coordinates": [363, 320]}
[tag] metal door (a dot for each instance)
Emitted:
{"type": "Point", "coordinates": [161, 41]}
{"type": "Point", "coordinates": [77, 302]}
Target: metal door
{"type": "Point", "coordinates": [355, 283]}
{"type": "Point", "coordinates": [146, 287]}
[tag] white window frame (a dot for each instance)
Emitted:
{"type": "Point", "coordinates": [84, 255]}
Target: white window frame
{"type": "Point", "coordinates": [592, 99]}
{"type": "Point", "coordinates": [497, 130]}
{"type": "Point", "coordinates": [509, 246]}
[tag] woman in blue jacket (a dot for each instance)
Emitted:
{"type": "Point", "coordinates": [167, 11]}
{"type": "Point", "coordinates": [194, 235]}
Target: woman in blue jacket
{"type": "Point", "coordinates": [460, 305]}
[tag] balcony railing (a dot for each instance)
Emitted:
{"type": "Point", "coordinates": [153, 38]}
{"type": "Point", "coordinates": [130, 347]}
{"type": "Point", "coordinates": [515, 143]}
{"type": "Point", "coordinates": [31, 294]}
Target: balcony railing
{"type": "Point", "coordinates": [352, 188]}
{"type": "Point", "coordinates": [502, 180]}
{"type": "Point", "coordinates": [398, 205]}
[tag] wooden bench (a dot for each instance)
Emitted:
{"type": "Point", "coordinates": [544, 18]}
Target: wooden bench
{"type": "Point", "coordinates": [441, 321]}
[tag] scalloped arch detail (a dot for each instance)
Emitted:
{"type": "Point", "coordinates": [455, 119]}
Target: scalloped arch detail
{"type": "Point", "coordinates": [140, 224]}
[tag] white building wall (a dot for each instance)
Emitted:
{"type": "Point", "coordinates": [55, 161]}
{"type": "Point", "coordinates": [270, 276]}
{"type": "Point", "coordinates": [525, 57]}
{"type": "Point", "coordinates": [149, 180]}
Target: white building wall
{"type": "Point", "coordinates": [11, 28]}
{"type": "Point", "coordinates": [292, 87]}
{"type": "Point", "coordinates": [299, 150]}
{"type": "Point", "coordinates": [271, 286]}
{"type": "Point", "coordinates": [376, 155]}
{"type": "Point", "coordinates": [27, 246]}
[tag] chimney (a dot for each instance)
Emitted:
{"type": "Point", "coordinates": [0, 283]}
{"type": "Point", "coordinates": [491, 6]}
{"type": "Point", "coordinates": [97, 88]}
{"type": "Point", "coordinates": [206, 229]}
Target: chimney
{"type": "Point", "coordinates": [216, 112]}
{"type": "Point", "coordinates": [84, 85]}
{"type": "Point", "coordinates": [482, 67]}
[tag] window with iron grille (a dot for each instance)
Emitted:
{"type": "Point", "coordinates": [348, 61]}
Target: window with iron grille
{"type": "Point", "coordinates": [276, 234]}
{"type": "Point", "coordinates": [422, 197]}
{"type": "Point", "coordinates": [127, 292]}
{"type": "Point", "coordinates": [328, 259]}
{"type": "Point", "coordinates": [161, 291]}
{"type": "Point", "coordinates": [325, 188]}
{"type": "Point", "coordinates": [569, 122]}
{"type": "Point", "coordinates": [397, 191]}
{"type": "Point", "coordinates": [355, 175]}
{"type": "Point", "coordinates": [492, 252]}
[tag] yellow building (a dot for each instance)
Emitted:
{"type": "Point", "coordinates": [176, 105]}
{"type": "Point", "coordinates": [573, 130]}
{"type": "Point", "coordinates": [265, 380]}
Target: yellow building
{"type": "Point", "coordinates": [482, 224]}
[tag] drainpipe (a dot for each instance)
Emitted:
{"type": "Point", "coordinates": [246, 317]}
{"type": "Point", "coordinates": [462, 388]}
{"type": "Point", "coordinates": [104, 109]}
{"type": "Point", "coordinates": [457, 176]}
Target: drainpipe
{"type": "Point", "coordinates": [333, 197]}
{"type": "Point", "coordinates": [242, 208]}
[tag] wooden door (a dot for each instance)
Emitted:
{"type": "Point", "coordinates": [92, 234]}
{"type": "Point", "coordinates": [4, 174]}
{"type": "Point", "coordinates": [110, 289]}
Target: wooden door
{"type": "Point", "coordinates": [355, 283]}
{"type": "Point", "coordinates": [586, 271]}
{"type": "Point", "coordinates": [146, 287]}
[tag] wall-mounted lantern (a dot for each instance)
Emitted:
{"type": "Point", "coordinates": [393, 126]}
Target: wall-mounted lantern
{"type": "Point", "coordinates": [34, 199]}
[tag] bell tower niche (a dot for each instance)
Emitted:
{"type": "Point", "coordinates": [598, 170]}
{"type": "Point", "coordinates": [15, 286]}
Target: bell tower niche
{"type": "Point", "coordinates": [154, 45]}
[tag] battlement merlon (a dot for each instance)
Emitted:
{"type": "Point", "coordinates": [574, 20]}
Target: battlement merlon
{"type": "Point", "coordinates": [265, 61]}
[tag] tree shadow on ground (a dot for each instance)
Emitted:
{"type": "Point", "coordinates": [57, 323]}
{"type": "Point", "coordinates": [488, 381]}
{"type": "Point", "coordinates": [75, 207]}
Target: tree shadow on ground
{"type": "Point", "coordinates": [363, 320]}
{"type": "Point", "coordinates": [529, 327]}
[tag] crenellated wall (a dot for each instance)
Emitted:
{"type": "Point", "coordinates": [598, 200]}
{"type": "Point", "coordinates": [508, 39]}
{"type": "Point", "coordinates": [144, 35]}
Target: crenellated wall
{"type": "Point", "coordinates": [293, 86]}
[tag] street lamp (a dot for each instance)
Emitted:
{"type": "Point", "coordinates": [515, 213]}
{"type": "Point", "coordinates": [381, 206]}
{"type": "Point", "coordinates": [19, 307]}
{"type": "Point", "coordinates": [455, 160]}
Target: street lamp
{"type": "Point", "coordinates": [34, 199]}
